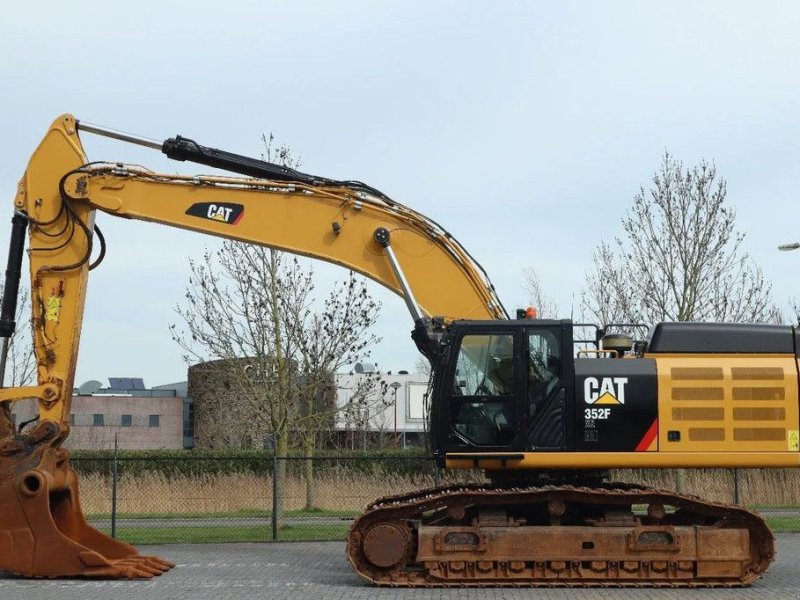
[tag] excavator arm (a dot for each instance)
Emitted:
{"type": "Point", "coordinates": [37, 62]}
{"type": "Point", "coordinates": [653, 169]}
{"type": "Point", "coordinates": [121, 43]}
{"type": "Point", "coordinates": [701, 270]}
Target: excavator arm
{"type": "Point", "coordinates": [332, 221]}
{"type": "Point", "coordinates": [342, 222]}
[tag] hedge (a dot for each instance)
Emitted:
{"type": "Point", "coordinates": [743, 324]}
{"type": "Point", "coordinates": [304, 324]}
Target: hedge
{"type": "Point", "coordinates": [207, 462]}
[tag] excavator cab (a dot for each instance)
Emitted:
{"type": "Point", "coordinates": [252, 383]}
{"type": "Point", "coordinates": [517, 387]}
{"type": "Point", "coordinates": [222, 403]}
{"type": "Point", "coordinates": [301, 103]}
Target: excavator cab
{"type": "Point", "coordinates": [505, 386]}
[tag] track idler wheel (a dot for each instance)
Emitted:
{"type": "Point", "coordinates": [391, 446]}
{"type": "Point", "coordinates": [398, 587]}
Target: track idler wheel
{"type": "Point", "coordinates": [43, 532]}
{"type": "Point", "coordinates": [387, 545]}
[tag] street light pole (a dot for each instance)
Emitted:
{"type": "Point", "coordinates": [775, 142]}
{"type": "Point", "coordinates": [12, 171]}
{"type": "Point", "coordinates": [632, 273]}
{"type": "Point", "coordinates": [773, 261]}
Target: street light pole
{"type": "Point", "coordinates": [787, 247]}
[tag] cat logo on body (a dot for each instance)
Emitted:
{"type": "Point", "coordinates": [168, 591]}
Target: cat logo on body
{"type": "Point", "coordinates": [224, 212]}
{"type": "Point", "coordinates": [608, 390]}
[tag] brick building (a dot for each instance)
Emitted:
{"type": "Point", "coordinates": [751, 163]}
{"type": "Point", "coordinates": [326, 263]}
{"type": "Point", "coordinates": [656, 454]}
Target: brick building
{"type": "Point", "coordinates": [140, 418]}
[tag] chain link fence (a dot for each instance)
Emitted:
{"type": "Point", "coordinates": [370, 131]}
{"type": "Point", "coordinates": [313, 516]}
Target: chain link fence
{"type": "Point", "coordinates": [202, 499]}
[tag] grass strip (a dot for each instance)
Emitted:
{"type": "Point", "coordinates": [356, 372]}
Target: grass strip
{"type": "Point", "coordinates": [232, 514]}
{"type": "Point", "coordinates": [784, 524]}
{"type": "Point", "coordinates": [195, 535]}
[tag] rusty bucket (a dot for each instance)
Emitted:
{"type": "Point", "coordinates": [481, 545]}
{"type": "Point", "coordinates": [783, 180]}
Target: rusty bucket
{"type": "Point", "coordinates": [43, 532]}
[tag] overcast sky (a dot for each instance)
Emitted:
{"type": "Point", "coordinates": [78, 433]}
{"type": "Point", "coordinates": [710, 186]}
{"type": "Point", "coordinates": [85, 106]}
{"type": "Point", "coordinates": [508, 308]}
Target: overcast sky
{"type": "Point", "coordinates": [524, 128]}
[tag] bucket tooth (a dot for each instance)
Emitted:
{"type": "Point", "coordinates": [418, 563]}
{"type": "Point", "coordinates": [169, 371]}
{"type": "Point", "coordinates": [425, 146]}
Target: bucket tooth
{"type": "Point", "coordinates": [43, 532]}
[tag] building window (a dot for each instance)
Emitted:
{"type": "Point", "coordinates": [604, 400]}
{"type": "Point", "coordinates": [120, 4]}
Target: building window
{"type": "Point", "coordinates": [97, 420]}
{"type": "Point", "coordinates": [127, 420]}
{"type": "Point", "coordinates": [72, 418]}
{"type": "Point", "coordinates": [154, 420]}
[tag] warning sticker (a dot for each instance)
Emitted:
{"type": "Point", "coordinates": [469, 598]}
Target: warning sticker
{"type": "Point", "coordinates": [794, 440]}
{"type": "Point", "coordinates": [53, 311]}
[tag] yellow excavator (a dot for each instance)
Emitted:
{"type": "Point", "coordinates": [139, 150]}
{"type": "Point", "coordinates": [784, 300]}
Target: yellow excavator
{"type": "Point", "coordinates": [510, 396]}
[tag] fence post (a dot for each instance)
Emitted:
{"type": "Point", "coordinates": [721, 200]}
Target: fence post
{"type": "Point", "coordinates": [736, 486]}
{"type": "Point", "coordinates": [275, 502]}
{"type": "Point", "coordinates": [271, 443]}
{"type": "Point", "coordinates": [114, 489]}
{"type": "Point", "coordinates": [680, 480]}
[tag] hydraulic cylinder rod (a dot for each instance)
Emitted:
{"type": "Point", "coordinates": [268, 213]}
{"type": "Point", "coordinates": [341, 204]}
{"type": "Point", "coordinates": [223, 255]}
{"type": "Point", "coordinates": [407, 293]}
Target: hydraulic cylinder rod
{"type": "Point", "coordinates": [381, 236]}
{"type": "Point", "coordinates": [19, 224]}
{"type": "Point", "coordinates": [8, 312]}
{"type": "Point", "coordinates": [118, 135]}
{"type": "Point", "coordinates": [181, 148]}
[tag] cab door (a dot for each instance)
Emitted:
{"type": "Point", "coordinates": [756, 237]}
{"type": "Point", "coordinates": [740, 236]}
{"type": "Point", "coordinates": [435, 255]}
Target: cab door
{"type": "Point", "coordinates": [550, 392]}
{"type": "Point", "coordinates": [484, 397]}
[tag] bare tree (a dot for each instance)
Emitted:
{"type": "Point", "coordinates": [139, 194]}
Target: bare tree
{"type": "Point", "coordinates": [227, 314]}
{"type": "Point", "coordinates": [254, 308]}
{"type": "Point", "coordinates": [327, 341]}
{"type": "Point", "coordinates": [545, 306]}
{"type": "Point", "coordinates": [680, 257]}
{"type": "Point", "coordinates": [20, 367]}
{"type": "Point", "coordinates": [365, 398]}
{"type": "Point", "coordinates": [422, 366]}
{"type": "Point", "coordinates": [607, 298]}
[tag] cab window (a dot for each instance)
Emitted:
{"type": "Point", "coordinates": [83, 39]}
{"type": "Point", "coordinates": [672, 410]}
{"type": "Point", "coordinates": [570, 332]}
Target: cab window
{"type": "Point", "coordinates": [544, 368]}
{"type": "Point", "coordinates": [482, 403]}
{"type": "Point", "coordinates": [485, 365]}
{"type": "Point", "coordinates": [546, 394]}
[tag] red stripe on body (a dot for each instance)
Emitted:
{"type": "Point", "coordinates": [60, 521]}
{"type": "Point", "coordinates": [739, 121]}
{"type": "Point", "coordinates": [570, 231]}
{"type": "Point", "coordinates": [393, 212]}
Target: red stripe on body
{"type": "Point", "coordinates": [648, 438]}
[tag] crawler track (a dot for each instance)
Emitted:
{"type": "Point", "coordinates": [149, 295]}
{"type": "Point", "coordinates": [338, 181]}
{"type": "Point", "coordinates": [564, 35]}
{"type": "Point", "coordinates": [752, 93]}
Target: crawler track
{"type": "Point", "coordinates": [556, 536]}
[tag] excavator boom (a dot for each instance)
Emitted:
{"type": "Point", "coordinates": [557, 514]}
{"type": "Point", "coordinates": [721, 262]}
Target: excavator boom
{"type": "Point", "coordinates": [343, 222]}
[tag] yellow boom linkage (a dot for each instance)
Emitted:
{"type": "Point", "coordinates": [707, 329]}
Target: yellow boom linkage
{"type": "Point", "coordinates": [42, 528]}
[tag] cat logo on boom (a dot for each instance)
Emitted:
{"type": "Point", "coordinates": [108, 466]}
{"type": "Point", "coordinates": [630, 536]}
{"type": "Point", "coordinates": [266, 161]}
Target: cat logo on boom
{"type": "Point", "coordinates": [608, 390]}
{"type": "Point", "coordinates": [224, 212]}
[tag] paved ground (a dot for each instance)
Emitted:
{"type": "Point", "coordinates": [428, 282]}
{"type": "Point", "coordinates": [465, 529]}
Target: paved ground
{"type": "Point", "coordinates": [320, 571]}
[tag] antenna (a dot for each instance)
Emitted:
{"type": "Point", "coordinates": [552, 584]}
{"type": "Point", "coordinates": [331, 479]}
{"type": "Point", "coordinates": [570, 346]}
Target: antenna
{"type": "Point", "coordinates": [572, 308]}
